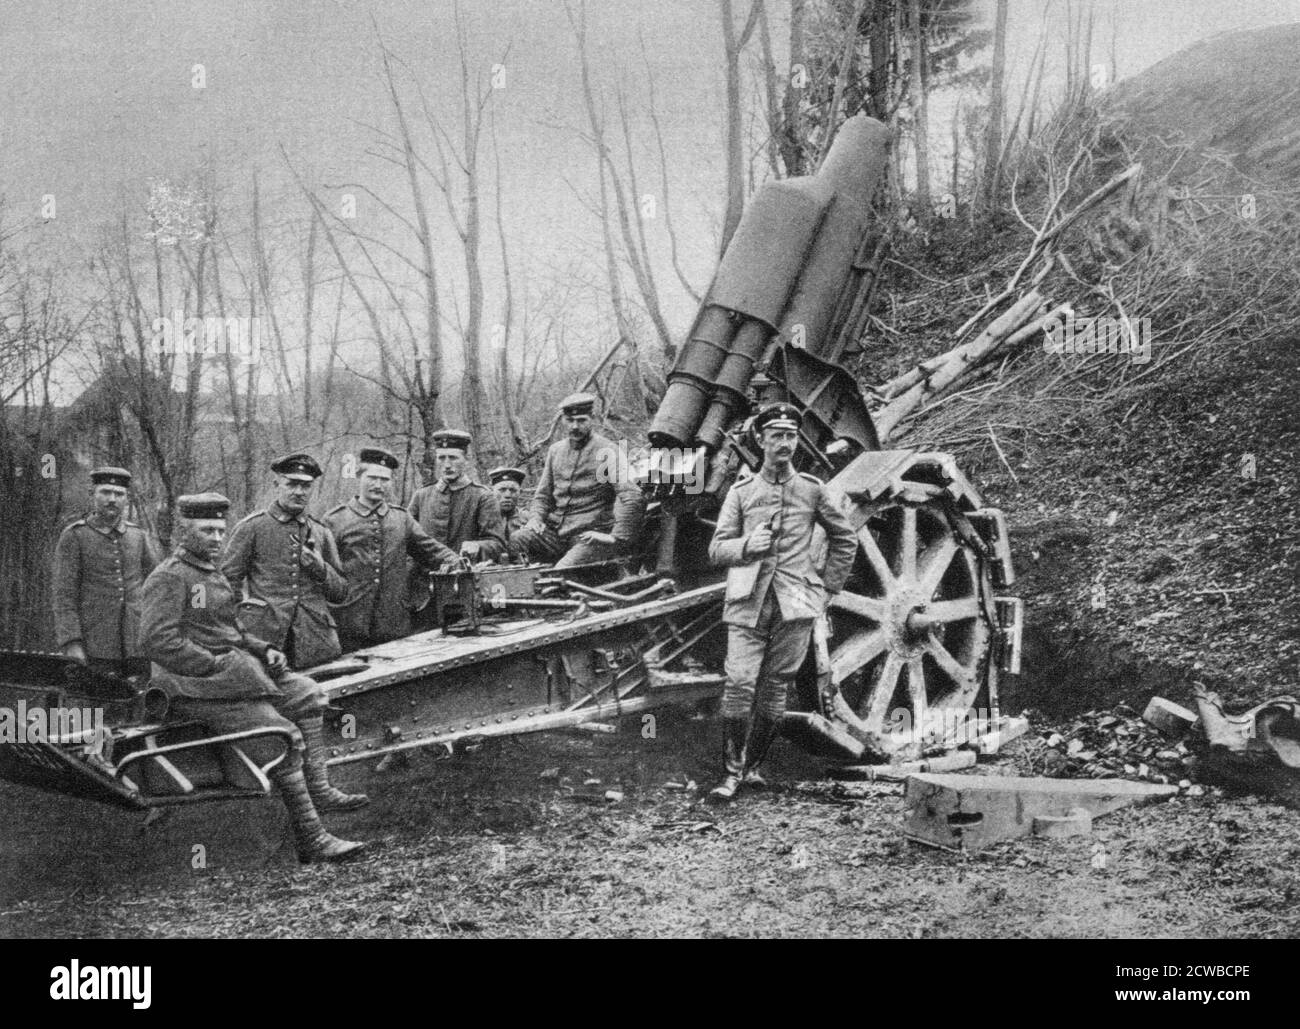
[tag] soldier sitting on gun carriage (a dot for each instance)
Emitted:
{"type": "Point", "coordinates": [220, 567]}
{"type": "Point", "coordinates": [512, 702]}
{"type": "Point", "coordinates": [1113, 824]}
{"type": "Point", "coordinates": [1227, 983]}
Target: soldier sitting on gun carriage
{"type": "Point", "coordinates": [216, 674]}
{"type": "Point", "coordinates": [586, 507]}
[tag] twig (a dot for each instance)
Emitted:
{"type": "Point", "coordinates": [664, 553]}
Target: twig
{"type": "Point", "coordinates": [1005, 463]}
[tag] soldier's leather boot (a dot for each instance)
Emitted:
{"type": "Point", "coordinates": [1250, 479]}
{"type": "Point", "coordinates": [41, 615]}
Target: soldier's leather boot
{"type": "Point", "coordinates": [734, 731]}
{"type": "Point", "coordinates": [314, 843]}
{"type": "Point", "coordinates": [760, 739]}
{"type": "Point", "coordinates": [323, 795]}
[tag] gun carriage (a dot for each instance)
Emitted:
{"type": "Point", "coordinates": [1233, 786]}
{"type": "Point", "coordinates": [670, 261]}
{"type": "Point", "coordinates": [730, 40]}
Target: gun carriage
{"type": "Point", "coordinates": [913, 644]}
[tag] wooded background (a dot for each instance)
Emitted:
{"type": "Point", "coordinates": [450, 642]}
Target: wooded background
{"type": "Point", "coordinates": [372, 331]}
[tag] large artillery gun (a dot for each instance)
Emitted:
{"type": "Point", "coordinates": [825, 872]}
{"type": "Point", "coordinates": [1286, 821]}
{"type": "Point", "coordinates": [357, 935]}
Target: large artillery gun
{"type": "Point", "coordinates": [906, 661]}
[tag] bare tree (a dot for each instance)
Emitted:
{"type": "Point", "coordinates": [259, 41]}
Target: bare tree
{"type": "Point", "coordinates": [733, 44]}
{"type": "Point", "coordinates": [920, 118]}
{"type": "Point", "coordinates": [993, 141]}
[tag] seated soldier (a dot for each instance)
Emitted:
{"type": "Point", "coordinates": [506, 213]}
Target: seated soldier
{"type": "Point", "coordinates": [216, 674]}
{"type": "Point", "coordinates": [586, 507]}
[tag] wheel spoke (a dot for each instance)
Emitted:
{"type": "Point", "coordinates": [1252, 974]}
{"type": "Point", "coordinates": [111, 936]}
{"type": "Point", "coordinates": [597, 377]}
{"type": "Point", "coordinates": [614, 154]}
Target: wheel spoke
{"type": "Point", "coordinates": [875, 558]}
{"type": "Point", "coordinates": [953, 610]}
{"type": "Point", "coordinates": [937, 561]}
{"type": "Point", "coordinates": [863, 607]}
{"type": "Point", "coordinates": [856, 651]}
{"type": "Point", "coordinates": [884, 691]}
{"type": "Point", "coordinates": [951, 667]}
{"type": "Point", "coordinates": [916, 690]}
{"type": "Point", "coordinates": [907, 545]}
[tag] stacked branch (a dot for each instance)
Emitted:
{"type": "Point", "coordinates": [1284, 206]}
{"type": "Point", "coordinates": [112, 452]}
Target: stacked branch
{"type": "Point", "coordinates": [1029, 314]}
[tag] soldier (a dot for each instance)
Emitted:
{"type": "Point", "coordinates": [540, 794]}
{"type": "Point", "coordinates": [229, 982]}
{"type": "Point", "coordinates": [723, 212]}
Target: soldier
{"type": "Point", "coordinates": [507, 482]}
{"type": "Point", "coordinates": [377, 541]}
{"type": "Point", "coordinates": [215, 673]}
{"type": "Point", "coordinates": [289, 561]}
{"type": "Point", "coordinates": [456, 510]}
{"type": "Point", "coordinates": [100, 564]}
{"type": "Point", "coordinates": [774, 593]}
{"type": "Point", "coordinates": [586, 506]}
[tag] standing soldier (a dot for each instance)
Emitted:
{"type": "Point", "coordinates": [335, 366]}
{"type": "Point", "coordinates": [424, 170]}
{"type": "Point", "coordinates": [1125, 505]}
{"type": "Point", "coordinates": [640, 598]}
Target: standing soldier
{"type": "Point", "coordinates": [507, 482]}
{"type": "Point", "coordinates": [286, 559]}
{"type": "Point", "coordinates": [377, 541]}
{"type": "Point", "coordinates": [216, 674]}
{"type": "Point", "coordinates": [456, 510]}
{"type": "Point", "coordinates": [586, 506]}
{"type": "Point", "coordinates": [774, 592]}
{"type": "Point", "coordinates": [100, 564]}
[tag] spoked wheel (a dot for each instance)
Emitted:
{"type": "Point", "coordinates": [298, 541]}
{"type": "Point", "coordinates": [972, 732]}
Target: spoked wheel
{"type": "Point", "coordinates": [912, 638]}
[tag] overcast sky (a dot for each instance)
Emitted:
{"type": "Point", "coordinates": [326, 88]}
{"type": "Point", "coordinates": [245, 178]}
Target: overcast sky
{"type": "Point", "coordinates": [97, 97]}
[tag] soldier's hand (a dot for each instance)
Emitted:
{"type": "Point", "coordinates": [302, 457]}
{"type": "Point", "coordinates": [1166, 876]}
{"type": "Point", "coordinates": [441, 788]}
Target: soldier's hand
{"type": "Point", "coordinates": [606, 538]}
{"type": "Point", "coordinates": [469, 550]}
{"type": "Point", "coordinates": [535, 524]}
{"type": "Point", "coordinates": [759, 542]}
{"type": "Point", "coordinates": [275, 660]}
{"type": "Point", "coordinates": [310, 559]}
{"type": "Point", "coordinates": [75, 651]}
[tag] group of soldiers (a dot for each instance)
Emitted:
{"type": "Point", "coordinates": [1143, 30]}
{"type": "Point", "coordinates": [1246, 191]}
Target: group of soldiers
{"type": "Point", "coordinates": [229, 623]}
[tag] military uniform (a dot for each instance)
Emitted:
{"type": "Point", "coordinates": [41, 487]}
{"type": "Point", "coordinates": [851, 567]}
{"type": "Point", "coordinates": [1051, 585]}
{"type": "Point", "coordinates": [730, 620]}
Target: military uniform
{"type": "Point", "coordinates": [203, 660]}
{"type": "Point", "coordinates": [513, 524]}
{"type": "Point", "coordinates": [465, 513]}
{"type": "Point", "coordinates": [376, 547]}
{"type": "Point", "coordinates": [772, 600]}
{"type": "Point", "coordinates": [263, 556]}
{"type": "Point", "coordinates": [581, 490]}
{"type": "Point", "coordinates": [517, 518]}
{"type": "Point", "coordinates": [98, 575]}
{"type": "Point", "coordinates": [215, 673]}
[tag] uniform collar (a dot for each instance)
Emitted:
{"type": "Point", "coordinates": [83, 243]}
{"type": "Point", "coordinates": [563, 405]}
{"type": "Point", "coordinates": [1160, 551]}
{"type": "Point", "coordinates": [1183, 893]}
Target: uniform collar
{"type": "Point", "coordinates": [117, 528]}
{"type": "Point", "coordinates": [442, 487]}
{"type": "Point", "coordinates": [366, 512]}
{"type": "Point", "coordinates": [284, 517]}
{"type": "Point", "coordinates": [194, 560]}
{"type": "Point", "coordinates": [773, 479]}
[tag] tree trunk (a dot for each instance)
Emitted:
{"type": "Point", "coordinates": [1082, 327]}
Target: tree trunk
{"type": "Point", "coordinates": [732, 47]}
{"type": "Point", "coordinates": [920, 120]}
{"type": "Point", "coordinates": [993, 138]}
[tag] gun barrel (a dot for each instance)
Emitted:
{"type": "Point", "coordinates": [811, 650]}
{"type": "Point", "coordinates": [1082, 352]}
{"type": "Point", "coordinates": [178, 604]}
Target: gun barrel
{"type": "Point", "coordinates": [785, 274]}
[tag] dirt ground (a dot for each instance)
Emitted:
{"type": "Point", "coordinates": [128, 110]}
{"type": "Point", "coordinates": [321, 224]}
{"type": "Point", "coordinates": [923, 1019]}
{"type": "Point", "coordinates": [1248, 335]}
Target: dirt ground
{"type": "Point", "coordinates": [518, 840]}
